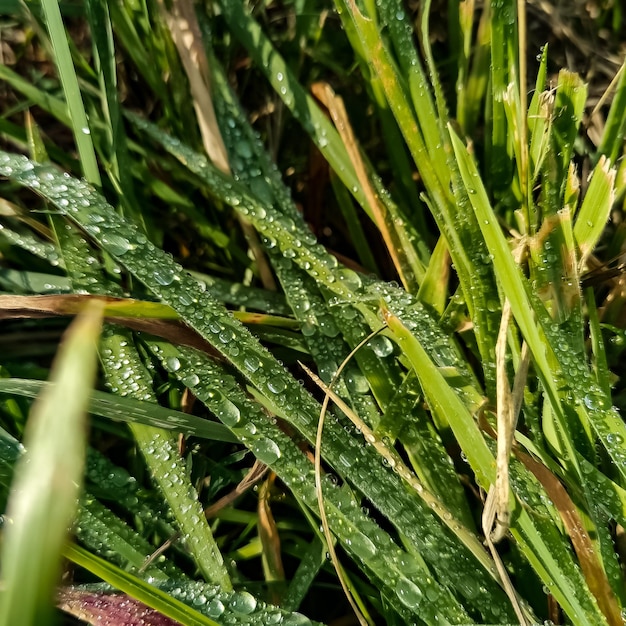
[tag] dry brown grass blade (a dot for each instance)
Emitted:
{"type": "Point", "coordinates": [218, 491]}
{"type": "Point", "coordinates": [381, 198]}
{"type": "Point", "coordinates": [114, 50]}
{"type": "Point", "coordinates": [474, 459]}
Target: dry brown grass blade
{"type": "Point", "coordinates": [257, 471]}
{"type": "Point", "coordinates": [39, 307]}
{"type": "Point", "coordinates": [268, 533]}
{"type": "Point", "coordinates": [187, 37]}
{"type": "Point", "coordinates": [325, 94]}
{"type": "Point", "coordinates": [496, 517]}
{"type": "Point", "coordinates": [588, 558]}
{"type": "Point", "coordinates": [488, 519]}
{"type": "Point", "coordinates": [506, 429]}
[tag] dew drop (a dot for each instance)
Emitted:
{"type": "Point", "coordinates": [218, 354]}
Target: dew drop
{"type": "Point", "coordinates": [164, 276]}
{"type": "Point", "coordinates": [215, 608]}
{"type": "Point", "coordinates": [116, 244]}
{"type": "Point", "coordinates": [243, 602]}
{"type": "Point", "coordinates": [172, 363]}
{"type": "Point", "coordinates": [266, 451]}
{"type": "Point", "coordinates": [381, 345]}
{"type": "Point", "coordinates": [409, 593]}
{"type": "Point", "coordinates": [276, 385]}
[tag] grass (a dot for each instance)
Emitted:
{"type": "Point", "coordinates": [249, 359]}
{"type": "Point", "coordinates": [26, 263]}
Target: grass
{"type": "Point", "coordinates": [409, 330]}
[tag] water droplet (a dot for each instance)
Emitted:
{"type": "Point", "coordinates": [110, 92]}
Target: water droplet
{"type": "Point", "coordinates": [356, 382]}
{"type": "Point", "coordinates": [363, 546]}
{"type": "Point", "coordinates": [409, 593]}
{"type": "Point", "coordinates": [296, 619]}
{"type": "Point", "coordinates": [349, 278]}
{"type": "Point", "coordinates": [266, 451]}
{"type": "Point", "coordinates": [228, 412]}
{"type": "Point", "coordinates": [164, 276]}
{"type": "Point", "coordinates": [116, 244]}
{"type": "Point", "coordinates": [172, 363]}
{"type": "Point", "coordinates": [243, 149]}
{"type": "Point", "coordinates": [243, 602]}
{"type": "Point", "coordinates": [381, 345]}
{"type": "Point", "coordinates": [614, 439]}
{"type": "Point", "coordinates": [191, 381]}
{"type": "Point", "coordinates": [276, 385]}
{"type": "Point", "coordinates": [215, 608]}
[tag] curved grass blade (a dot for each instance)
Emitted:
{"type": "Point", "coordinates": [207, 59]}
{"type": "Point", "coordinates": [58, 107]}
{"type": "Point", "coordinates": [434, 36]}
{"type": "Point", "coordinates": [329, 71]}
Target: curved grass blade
{"type": "Point", "coordinates": [47, 479]}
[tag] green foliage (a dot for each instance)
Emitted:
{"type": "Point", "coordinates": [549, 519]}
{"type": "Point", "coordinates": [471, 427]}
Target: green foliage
{"type": "Point", "coordinates": [215, 289]}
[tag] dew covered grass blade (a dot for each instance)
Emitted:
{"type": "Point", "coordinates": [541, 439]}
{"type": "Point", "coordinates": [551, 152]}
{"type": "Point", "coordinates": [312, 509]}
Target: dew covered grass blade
{"type": "Point", "coordinates": [173, 286]}
{"type": "Point", "coordinates": [128, 409]}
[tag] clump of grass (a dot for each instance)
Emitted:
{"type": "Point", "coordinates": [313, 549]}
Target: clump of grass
{"type": "Point", "coordinates": [472, 466]}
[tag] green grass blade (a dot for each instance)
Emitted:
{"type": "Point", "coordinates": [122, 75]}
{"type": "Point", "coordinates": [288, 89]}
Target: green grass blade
{"type": "Point", "coordinates": [596, 207]}
{"type": "Point", "coordinates": [612, 143]}
{"type": "Point", "coordinates": [138, 589]}
{"type": "Point", "coordinates": [107, 535]}
{"type": "Point", "coordinates": [539, 540]}
{"type": "Point", "coordinates": [170, 283]}
{"type": "Point", "coordinates": [160, 451]}
{"type": "Point", "coordinates": [46, 101]}
{"type": "Point", "coordinates": [590, 402]}
{"type": "Point", "coordinates": [47, 480]}
{"type": "Point", "coordinates": [126, 409]}
{"type": "Point", "coordinates": [25, 282]}
{"type": "Point", "coordinates": [76, 109]}
{"type": "Point", "coordinates": [395, 569]}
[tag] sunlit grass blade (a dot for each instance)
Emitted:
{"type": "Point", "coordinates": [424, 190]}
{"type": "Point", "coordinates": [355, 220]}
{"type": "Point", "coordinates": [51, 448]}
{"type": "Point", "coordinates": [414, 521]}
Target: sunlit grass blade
{"type": "Point", "coordinates": [47, 479]}
{"type": "Point", "coordinates": [444, 196]}
{"type": "Point", "coordinates": [596, 207]}
{"type": "Point", "coordinates": [65, 66]}
{"type": "Point", "coordinates": [434, 288]}
{"type": "Point", "coordinates": [612, 141]}
{"type": "Point", "coordinates": [590, 402]}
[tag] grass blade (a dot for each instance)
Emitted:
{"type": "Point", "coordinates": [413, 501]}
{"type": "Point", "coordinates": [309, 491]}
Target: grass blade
{"type": "Point", "coordinates": [46, 484]}
{"type": "Point", "coordinates": [65, 66]}
{"type": "Point", "coordinates": [130, 410]}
